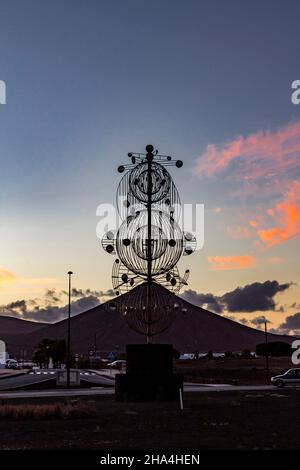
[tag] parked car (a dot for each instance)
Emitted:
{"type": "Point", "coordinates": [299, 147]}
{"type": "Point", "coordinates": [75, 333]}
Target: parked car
{"type": "Point", "coordinates": [26, 364]}
{"type": "Point", "coordinates": [119, 364]}
{"type": "Point", "coordinates": [12, 364]}
{"type": "Point", "coordinates": [187, 357]}
{"type": "Point", "coordinates": [291, 376]}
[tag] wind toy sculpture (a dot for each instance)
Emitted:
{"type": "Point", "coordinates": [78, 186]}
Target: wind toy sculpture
{"type": "Point", "coordinates": [148, 246]}
{"type": "Point", "coordinates": [148, 243]}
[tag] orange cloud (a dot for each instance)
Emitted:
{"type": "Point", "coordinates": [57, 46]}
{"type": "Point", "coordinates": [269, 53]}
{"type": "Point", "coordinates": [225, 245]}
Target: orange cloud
{"type": "Point", "coordinates": [287, 215]}
{"type": "Point", "coordinates": [264, 154]}
{"type": "Point", "coordinates": [253, 223]}
{"type": "Point", "coordinates": [6, 276]}
{"type": "Point", "coordinates": [231, 262]}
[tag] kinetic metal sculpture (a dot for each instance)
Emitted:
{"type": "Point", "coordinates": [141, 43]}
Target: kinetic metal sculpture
{"type": "Point", "coordinates": [148, 243]}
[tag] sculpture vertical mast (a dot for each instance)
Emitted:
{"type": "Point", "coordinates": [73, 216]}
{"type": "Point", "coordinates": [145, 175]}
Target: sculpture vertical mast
{"type": "Point", "coordinates": [149, 150]}
{"type": "Point", "coordinates": [148, 243]}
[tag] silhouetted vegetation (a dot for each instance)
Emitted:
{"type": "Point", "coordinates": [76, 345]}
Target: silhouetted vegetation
{"type": "Point", "coordinates": [48, 348]}
{"type": "Point", "coordinates": [246, 353]}
{"type": "Point", "coordinates": [83, 363]}
{"type": "Point", "coordinates": [274, 349]}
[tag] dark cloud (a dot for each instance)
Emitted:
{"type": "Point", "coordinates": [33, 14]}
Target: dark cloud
{"type": "Point", "coordinates": [253, 297]}
{"type": "Point", "coordinates": [244, 321]}
{"type": "Point", "coordinates": [19, 305]}
{"type": "Point", "coordinates": [53, 313]}
{"type": "Point", "coordinates": [258, 321]}
{"type": "Point", "coordinates": [53, 296]}
{"type": "Point", "coordinates": [291, 323]}
{"type": "Point", "coordinates": [100, 293]}
{"type": "Point", "coordinates": [78, 293]}
{"type": "Point", "coordinates": [208, 301]}
{"type": "Point", "coordinates": [295, 305]}
{"type": "Point", "coordinates": [53, 307]}
{"type": "Point", "coordinates": [275, 331]}
{"type": "Point", "coordinates": [258, 296]}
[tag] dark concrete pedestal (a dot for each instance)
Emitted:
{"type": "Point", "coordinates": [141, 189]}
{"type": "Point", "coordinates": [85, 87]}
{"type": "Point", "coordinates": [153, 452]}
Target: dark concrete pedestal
{"type": "Point", "coordinates": [149, 374]}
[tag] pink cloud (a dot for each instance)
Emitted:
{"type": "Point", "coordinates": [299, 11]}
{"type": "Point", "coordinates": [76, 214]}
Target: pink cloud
{"type": "Point", "coordinates": [231, 262]}
{"type": "Point", "coordinates": [217, 210]}
{"type": "Point", "coordinates": [268, 166]}
{"type": "Point", "coordinates": [263, 154]}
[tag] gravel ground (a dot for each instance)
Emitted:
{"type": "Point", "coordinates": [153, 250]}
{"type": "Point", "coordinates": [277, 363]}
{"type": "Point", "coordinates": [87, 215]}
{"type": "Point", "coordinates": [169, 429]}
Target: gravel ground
{"type": "Point", "coordinates": [227, 420]}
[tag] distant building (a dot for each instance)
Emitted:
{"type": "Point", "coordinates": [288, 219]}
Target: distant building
{"type": "Point", "coordinates": [3, 354]}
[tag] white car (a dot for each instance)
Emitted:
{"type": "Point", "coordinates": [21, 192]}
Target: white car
{"type": "Point", "coordinates": [187, 357]}
{"type": "Point", "coordinates": [12, 364]}
{"type": "Point", "coordinates": [117, 364]}
{"type": "Point", "coordinates": [218, 354]}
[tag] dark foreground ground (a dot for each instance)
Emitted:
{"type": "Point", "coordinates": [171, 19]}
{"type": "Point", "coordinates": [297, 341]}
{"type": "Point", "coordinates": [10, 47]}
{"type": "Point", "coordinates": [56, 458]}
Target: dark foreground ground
{"type": "Point", "coordinates": [218, 420]}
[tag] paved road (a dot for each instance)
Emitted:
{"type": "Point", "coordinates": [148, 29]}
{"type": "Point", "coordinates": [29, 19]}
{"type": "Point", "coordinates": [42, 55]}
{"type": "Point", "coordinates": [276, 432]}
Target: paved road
{"type": "Point", "coordinates": [5, 373]}
{"type": "Point", "coordinates": [26, 380]}
{"type": "Point", "coordinates": [110, 391]}
{"type": "Point", "coordinates": [49, 376]}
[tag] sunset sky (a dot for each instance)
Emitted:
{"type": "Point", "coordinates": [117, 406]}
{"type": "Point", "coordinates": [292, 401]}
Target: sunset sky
{"type": "Point", "coordinates": [206, 81]}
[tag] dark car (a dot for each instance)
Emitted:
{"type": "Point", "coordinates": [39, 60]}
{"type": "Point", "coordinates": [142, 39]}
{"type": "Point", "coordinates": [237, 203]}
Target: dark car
{"type": "Point", "coordinates": [290, 377]}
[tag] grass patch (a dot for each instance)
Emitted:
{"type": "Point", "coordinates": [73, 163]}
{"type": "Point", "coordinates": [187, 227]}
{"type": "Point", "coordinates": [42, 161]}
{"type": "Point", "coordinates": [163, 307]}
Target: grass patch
{"type": "Point", "coordinates": [68, 410]}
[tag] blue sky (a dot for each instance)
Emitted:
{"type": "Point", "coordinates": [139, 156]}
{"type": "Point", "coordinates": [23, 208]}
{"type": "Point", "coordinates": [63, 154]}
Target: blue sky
{"type": "Point", "coordinates": [88, 81]}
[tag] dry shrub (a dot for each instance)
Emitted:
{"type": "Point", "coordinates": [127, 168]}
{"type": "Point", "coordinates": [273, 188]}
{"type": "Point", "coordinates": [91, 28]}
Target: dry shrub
{"type": "Point", "coordinates": [77, 409]}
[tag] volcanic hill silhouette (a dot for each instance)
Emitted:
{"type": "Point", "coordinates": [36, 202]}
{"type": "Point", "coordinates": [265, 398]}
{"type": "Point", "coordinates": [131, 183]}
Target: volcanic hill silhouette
{"type": "Point", "coordinates": [195, 329]}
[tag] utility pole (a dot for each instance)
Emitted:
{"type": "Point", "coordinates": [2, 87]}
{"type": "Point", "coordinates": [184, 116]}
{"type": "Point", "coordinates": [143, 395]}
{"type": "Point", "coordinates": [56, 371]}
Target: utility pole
{"type": "Point", "coordinates": [95, 344]}
{"type": "Point", "coordinates": [69, 333]}
{"type": "Point", "coordinates": [267, 353]}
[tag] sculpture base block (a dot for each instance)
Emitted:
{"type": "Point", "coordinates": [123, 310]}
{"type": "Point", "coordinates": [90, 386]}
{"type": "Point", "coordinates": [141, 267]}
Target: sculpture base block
{"type": "Point", "coordinates": [149, 375]}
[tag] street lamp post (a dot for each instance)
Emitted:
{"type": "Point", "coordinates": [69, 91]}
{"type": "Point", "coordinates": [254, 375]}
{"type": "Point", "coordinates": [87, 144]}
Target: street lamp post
{"type": "Point", "coordinates": [69, 333]}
